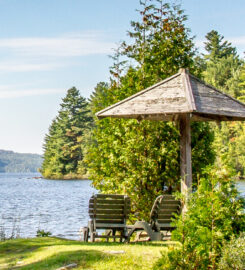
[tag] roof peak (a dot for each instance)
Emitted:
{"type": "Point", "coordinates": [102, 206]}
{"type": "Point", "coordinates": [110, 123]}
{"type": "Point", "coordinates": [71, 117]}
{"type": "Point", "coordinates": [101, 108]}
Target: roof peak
{"type": "Point", "coordinates": [184, 70]}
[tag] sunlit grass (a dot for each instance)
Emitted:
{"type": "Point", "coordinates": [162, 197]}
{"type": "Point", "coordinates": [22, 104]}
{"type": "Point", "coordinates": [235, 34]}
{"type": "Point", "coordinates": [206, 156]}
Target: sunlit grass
{"type": "Point", "coordinates": [52, 253]}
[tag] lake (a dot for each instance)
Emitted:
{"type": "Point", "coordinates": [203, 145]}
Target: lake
{"type": "Point", "coordinates": [60, 207]}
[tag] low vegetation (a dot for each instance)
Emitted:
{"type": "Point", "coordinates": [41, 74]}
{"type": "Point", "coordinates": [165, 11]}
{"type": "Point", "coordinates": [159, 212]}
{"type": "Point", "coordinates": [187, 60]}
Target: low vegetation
{"type": "Point", "coordinates": [52, 253]}
{"type": "Point", "coordinates": [210, 228]}
{"type": "Point", "coordinates": [233, 254]}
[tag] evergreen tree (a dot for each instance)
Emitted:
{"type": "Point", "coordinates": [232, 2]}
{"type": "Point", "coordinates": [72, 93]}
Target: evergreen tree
{"type": "Point", "coordinates": [223, 70]}
{"type": "Point", "coordinates": [216, 47]}
{"type": "Point", "coordinates": [142, 159]}
{"type": "Point", "coordinates": [63, 154]}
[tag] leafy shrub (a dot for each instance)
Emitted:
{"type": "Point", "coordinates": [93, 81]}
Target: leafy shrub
{"type": "Point", "coordinates": [42, 233]}
{"type": "Point", "coordinates": [215, 214]}
{"type": "Point", "coordinates": [233, 254]}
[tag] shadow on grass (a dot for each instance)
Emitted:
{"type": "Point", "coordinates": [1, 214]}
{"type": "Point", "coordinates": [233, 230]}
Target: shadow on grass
{"type": "Point", "coordinates": [154, 244]}
{"type": "Point", "coordinates": [17, 246]}
{"type": "Point", "coordinates": [17, 250]}
{"type": "Point", "coordinates": [83, 258]}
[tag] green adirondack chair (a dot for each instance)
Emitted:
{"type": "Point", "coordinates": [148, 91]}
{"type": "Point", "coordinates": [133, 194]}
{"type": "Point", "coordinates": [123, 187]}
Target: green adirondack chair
{"type": "Point", "coordinates": [163, 210]}
{"type": "Point", "coordinates": [107, 212]}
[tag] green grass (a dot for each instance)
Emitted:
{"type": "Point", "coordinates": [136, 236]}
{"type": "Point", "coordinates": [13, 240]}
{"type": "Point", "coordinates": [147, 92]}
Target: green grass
{"type": "Point", "coordinates": [52, 253]}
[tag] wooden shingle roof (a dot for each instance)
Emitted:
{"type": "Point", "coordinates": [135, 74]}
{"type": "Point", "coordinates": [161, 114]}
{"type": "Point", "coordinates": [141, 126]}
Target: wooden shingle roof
{"type": "Point", "coordinates": [180, 94]}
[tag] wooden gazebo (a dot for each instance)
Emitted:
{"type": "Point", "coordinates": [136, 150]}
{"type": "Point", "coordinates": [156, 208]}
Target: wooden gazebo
{"type": "Point", "coordinates": [184, 98]}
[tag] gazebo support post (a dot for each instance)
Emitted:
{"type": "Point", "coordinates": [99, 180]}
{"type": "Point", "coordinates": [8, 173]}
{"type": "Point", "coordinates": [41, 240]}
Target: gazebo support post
{"type": "Point", "coordinates": [185, 154]}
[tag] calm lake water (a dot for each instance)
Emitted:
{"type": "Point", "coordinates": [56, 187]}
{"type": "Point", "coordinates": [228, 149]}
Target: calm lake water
{"type": "Point", "coordinates": [60, 207]}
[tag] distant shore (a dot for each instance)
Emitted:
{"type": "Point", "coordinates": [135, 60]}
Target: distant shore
{"type": "Point", "coordinates": [66, 177]}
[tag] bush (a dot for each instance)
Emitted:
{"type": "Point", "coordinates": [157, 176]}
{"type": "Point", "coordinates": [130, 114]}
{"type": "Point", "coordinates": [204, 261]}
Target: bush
{"type": "Point", "coordinates": [215, 214]}
{"type": "Point", "coordinates": [233, 254]}
{"type": "Point", "coordinates": [42, 233]}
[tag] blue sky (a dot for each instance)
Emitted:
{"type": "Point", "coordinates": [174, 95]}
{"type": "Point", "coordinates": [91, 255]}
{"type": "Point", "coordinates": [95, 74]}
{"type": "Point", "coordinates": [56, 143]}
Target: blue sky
{"type": "Point", "coordinates": [48, 46]}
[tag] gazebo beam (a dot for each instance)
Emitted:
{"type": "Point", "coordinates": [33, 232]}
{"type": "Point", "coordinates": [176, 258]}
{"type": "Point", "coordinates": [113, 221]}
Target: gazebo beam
{"type": "Point", "coordinates": [185, 154]}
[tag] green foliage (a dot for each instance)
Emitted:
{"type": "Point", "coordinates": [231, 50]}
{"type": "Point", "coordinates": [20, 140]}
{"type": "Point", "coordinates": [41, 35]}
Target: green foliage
{"type": "Point", "coordinates": [42, 233]}
{"type": "Point", "coordinates": [215, 214]}
{"type": "Point", "coordinates": [233, 254]}
{"type": "Point", "coordinates": [242, 83]}
{"type": "Point", "coordinates": [216, 47]}
{"type": "Point", "coordinates": [63, 147]}
{"type": "Point", "coordinates": [224, 70]}
{"type": "Point", "coordinates": [229, 142]}
{"type": "Point", "coordinates": [142, 159]}
{"type": "Point", "coordinates": [18, 162]}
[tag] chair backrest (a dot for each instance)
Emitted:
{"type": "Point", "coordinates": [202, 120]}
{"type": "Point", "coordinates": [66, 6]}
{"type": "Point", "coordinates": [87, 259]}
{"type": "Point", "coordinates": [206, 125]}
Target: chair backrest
{"type": "Point", "coordinates": [109, 209]}
{"type": "Point", "coordinates": [164, 209]}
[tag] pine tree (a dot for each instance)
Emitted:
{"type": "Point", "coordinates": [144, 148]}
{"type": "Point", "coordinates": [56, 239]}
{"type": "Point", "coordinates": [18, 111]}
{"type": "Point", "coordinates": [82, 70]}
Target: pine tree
{"type": "Point", "coordinates": [217, 48]}
{"type": "Point", "coordinates": [63, 154]}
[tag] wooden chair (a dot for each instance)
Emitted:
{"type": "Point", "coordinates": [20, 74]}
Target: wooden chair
{"type": "Point", "coordinates": [163, 211]}
{"type": "Point", "coordinates": [108, 212]}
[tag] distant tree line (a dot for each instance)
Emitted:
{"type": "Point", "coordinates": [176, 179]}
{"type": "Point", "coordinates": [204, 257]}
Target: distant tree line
{"type": "Point", "coordinates": [17, 162]}
{"type": "Point", "coordinates": [142, 159]}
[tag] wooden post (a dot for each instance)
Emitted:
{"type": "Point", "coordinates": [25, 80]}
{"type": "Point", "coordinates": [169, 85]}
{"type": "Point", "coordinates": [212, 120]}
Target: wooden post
{"type": "Point", "coordinates": [185, 154]}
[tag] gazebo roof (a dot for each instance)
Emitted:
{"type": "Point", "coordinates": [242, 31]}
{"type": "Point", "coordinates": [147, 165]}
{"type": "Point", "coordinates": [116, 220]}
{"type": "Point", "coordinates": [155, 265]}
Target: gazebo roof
{"type": "Point", "coordinates": [180, 94]}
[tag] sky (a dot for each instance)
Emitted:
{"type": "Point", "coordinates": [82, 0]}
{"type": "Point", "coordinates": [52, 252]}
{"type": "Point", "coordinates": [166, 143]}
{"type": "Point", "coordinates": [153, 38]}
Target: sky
{"type": "Point", "coordinates": [49, 46]}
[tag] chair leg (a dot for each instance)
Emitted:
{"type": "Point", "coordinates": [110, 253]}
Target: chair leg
{"type": "Point", "coordinates": [91, 231]}
{"type": "Point", "coordinates": [121, 236]}
{"type": "Point", "coordinates": [85, 231]}
{"type": "Point", "coordinates": [92, 237]}
{"type": "Point", "coordinates": [113, 234]}
{"type": "Point", "coordinates": [107, 233]}
{"type": "Point", "coordinates": [128, 234]}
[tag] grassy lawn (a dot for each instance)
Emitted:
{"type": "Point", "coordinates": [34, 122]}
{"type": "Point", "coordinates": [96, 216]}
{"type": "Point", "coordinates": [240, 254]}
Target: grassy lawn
{"type": "Point", "coordinates": [52, 253]}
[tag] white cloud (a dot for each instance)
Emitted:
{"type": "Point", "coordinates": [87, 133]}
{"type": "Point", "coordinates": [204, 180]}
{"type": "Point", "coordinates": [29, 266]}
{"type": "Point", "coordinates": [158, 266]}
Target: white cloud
{"type": "Point", "coordinates": [237, 41]}
{"type": "Point", "coordinates": [49, 53]}
{"type": "Point", "coordinates": [23, 67]}
{"type": "Point", "coordinates": [66, 46]}
{"type": "Point", "coordinates": [8, 93]}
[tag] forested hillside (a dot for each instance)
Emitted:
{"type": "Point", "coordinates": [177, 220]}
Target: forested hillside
{"type": "Point", "coordinates": [17, 162]}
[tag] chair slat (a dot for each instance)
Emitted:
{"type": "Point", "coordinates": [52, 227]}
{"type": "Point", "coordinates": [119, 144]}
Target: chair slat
{"type": "Point", "coordinates": [105, 201]}
{"type": "Point", "coordinates": [173, 202]}
{"type": "Point", "coordinates": [109, 221]}
{"type": "Point", "coordinates": [109, 225]}
{"type": "Point", "coordinates": [168, 196]}
{"type": "Point", "coordinates": [109, 217]}
{"type": "Point", "coordinates": [165, 220]}
{"type": "Point", "coordinates": [165, 216]}
{"type": "Point", "coordinates": [168, 211]}
{"type": "Point", "coordinates": [170, 207]}
{"type": "Point", "coordinates": [106, 211]}
{"type": "Point", "coordinates": [108, 206]}
{"type": "Point", "coordinates": [113, 196]}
